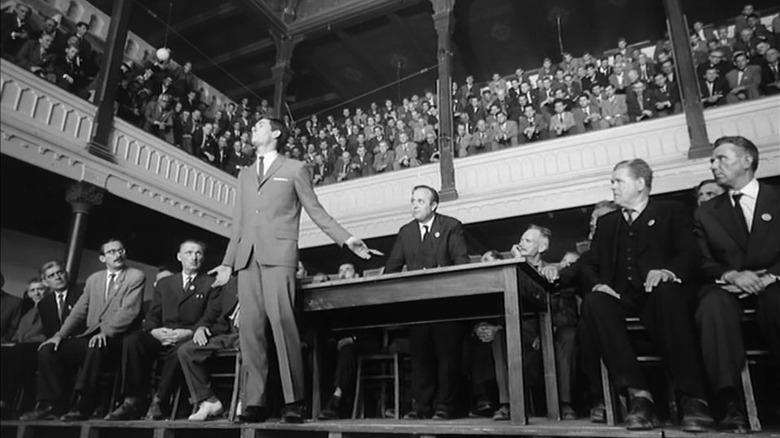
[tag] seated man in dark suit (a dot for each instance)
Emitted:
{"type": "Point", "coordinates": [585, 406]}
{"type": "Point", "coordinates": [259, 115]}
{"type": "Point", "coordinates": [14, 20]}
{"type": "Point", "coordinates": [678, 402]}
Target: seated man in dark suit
{"type": "Point", "coordinates": [182, 305]}
{"type": "Point", "coordinates": [222, 333]}
{"type": "Point", "coordinates": [108, 308]}
{"type": "Point", "coordinates": [57, 305]}
{"type": "Point", "coordinates": [643, 260]}
{"type": "Point", "coordinates": [713, 88]}
{"type": "Point", "coordinates": [738, 233]}
{"type": "Point", "coordinates": [770, 73]}
{"type": "Point", "coordinates": [431, 240]}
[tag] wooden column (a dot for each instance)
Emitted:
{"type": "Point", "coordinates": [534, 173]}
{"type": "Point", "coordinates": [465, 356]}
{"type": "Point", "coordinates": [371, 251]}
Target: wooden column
{"type": "Point", "coordinates": [444, 23]}
{"type": "Point", "coordinates": [109, 78]}
{"type": "Point", "coordinates": [81, 196]}
{"type": "Point", "coordinates": [281, 71]}
{"type": "Point", "coordinates": [687, 80]}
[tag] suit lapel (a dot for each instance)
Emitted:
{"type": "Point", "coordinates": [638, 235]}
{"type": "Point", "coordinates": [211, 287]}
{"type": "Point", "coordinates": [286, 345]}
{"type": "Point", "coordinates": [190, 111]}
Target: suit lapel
{"type": "Point", "coordinates": [275, 166]}
{"type": "Point", "coordinates": [725, 214]}
{"type": "Point", "coordinates": [187, 294]}
{"type": "Point", "coordinates": [766, 213]}
{"type": "Point", "coordinates": [436, 228]}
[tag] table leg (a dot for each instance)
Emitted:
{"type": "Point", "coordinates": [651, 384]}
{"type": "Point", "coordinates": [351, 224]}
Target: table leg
{"type": "Point", "coordinates": [512, 309]}
{"type": "Point", "coordinates": [548, 358]}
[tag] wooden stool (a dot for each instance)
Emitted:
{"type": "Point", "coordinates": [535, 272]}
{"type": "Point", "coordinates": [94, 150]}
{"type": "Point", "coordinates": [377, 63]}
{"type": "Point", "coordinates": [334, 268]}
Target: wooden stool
{"type": "Point", "coordinates": [383, 360]}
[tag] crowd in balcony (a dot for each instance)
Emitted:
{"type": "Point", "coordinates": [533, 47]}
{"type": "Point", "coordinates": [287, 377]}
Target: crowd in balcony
{"type": "Point", "coordinates": [574, 96]}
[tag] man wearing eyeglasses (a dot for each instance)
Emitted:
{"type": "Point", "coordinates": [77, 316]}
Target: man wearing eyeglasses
{"type": "Point", "coordinates": [108, 308]}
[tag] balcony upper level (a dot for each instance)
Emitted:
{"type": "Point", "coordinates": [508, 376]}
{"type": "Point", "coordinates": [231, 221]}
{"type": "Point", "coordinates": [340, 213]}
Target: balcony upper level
{"type": "Point", "coordinates": [43, 125]}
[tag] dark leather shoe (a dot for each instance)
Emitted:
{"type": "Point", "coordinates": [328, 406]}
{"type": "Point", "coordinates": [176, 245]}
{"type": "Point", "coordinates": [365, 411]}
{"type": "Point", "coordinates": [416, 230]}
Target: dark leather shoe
{"type": "Point", "coordinates": [415, 414]}
{"type": "Point", "coordinates": [567, 412]}
{"type": "Point", "coordinates": [125, 412]}
{"type": "Point", "coordinates": [598, 413]}
{"type": "Point", "coordinates": [502, 414]}
{"type": "Point", "coordinates": [696, 416]}
{"type": "Point", "coordinates": [76, 414]}
{"type": "Point", "coordinates": [441, 415]}
{"type": "Point", "coordinates": [331, 412]}
{"type": "Point", "coordinates": [293, 413]}
{"type": "Point", "coordinates": [734, 419]}
{"type": "Point", "coordinates": [157, 411]}
{"type": "Point", "coordinates": [642, 415]}
{"type": "Point", "coordinates": [252, 414]}
{"type": "Point", "coordinates": [43, 411]}
{"type": "Point", "coordinates": [484, 409]}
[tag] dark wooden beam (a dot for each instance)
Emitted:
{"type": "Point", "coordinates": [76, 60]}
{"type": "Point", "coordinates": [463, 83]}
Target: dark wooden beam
{"type": "Point", "coordinates": [352, 48]}
{"type": "Point", "coordinates": [345, 14]}
{"type": "Point", "coordinates": [260, 9]}
{"type": "Point", "coordinates": [252, 49]}
{"type": "Point", "coordinates": [410, 40]}
{"type": "Point", "coordinates": [221, 11]}
{"type": "Point", "coordinates": [319, 100]}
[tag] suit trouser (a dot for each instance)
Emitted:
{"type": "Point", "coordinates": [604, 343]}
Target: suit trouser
{"type": "Point", "coordinates": [192, 357]}
{"type": "Point", "coordinates": [589, 360]}
{"type": "Point", "coordinates": [720, 320]}
{"type": "Point", "coordinates": [19, 362]}
{"type": "Point", "coordinates": [436, 351]}
{"type": "Point", "coordinates": [139, 351]}
{"type": "Point", "coordinates": [664, 312]}
{"type": "Point", "coordinates": [346, 362]}
{"type": "Point", "coordinates": [266, 295]}
{"type": "Point", "coordinates": [73, 356]}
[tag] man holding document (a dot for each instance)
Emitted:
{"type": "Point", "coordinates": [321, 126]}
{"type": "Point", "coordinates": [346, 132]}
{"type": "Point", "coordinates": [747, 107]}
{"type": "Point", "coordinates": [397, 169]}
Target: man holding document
{"type": "Point", "coordinates": [263, 249]}
{"type": "Point", "coordinates": [739, 236]}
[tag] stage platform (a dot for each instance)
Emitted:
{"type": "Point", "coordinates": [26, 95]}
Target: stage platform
{"type": "Point", "coordinates": [379, 428]}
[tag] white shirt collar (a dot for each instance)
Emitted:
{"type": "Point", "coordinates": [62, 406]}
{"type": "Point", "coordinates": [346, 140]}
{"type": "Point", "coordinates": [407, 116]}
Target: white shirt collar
{"type": "Point", "coordinates": [428, 223]}
{"type": "Point", "coordinates": [750, 190]}
{"type": "Point", "coordinates": [268, 159]}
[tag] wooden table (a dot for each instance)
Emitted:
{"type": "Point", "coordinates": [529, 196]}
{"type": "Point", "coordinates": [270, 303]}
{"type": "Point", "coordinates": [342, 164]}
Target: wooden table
{"type": "Point", "coordinates": [511, 278]}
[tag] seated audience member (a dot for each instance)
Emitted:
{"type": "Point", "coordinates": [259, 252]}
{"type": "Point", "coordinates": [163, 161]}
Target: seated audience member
{"type": "Point", "coordinates": [505, 132]}
{"type": "Point", "coordinates": [431, 240]}
{"type": "Point", "coordinates": [321, 171]}
{"type": "Point", "coordinates": [55, 306]}
{"type": "Point", "coordinates": [67, 70]}
{"type": "Point", "coordinates": [236, 159]}
{"type": "Point", "coordinates": [717, 60]}
{"type": "Point", "coordinates": [220, 334]}
{"type": "Point", "coordinates": [462, 140]}
{"type": "Point", "coordinates": [362, 162]}
{"type": "Point", "coordinates": [614, 111]}
{"type": "Point", "coordinates": [405, 153]}
{"type": "Point", "coordinates": [713, 88]}
{"type": "Point", "coordinates": [38, 56]}
{"type": "Point", "coordinates": [343, 168]}
{"type": "Point", "coordinates": [108, 308]}
{"type": "Point", "coordinates": [738, 234]}
{"type": "Point", "coordinates": [744, 80]}
{"type": "Point", "coordinates": [640, 103]}
{"type": "Point", "coordinates": [428, 151]}
{"type": "Point", "coordinates": [562, 121]}
{"type": "Point", "coordinates": [183, 306]}
{"type": "Point", "coordinates": [531, 126]}
{"type": "Point", "coordinates": [708, 189]}
{"type": "Point", "coordinates": [665, 96]}
{"type": "Point", "coordinates": [205, 144]}
{"type": "Point", "coordinates": [158, 116]}
{"type": "Point", "coordinates": [482, 140]}
{"type": "Point", "coordinates": [16, 30]}
{"type": "Point", "coordinates": [19, 356]}
{"type": "Point", "coordinates": [622, 279]}
{"type": "Point", "coordinates": [770, 73]}
{"type": "Point", "coordinates": [586, 115]}
{"type": "Point", "coordinates": [10, 312]}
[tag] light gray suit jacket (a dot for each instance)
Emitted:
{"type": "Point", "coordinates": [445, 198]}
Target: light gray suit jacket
{"type": "Point", "coordinates": [112, 316]}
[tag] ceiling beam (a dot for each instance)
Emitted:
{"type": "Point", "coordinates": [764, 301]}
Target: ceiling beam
{"type": "Point", "coordinates": [410, 40]}
{"type": "Point", "coordinates": [257, 85]}
{"type": "Point", "coordinates": [261, 9]}
{"type": "Point", "coordinates": [319, 100]}
{"type": "Point", "coordinates": [345, 14]}
{"type": "Point", "coordinates": [256, 48]}
{"type": "Point", "coordinates": [352, 48]}
{"type": "Point", "coordinates": [223, 10]}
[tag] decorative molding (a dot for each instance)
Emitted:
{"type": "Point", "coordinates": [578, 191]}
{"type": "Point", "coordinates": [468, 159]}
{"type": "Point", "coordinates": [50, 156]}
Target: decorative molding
{"type": "Point", "coordinates": [50, 128]}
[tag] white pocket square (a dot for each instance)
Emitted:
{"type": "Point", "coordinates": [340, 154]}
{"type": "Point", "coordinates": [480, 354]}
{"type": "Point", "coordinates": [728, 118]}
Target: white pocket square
{"type": "Point", "coordinates": [280, 179]}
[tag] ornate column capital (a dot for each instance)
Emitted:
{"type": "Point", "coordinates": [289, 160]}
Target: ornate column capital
{"type": "Point", "coordinates": [82, 196]}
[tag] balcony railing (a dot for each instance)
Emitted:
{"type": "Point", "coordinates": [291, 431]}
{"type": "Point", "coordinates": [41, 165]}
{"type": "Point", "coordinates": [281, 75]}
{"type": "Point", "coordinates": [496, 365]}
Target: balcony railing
{"type": "Point", "coordinates": [44, 125]}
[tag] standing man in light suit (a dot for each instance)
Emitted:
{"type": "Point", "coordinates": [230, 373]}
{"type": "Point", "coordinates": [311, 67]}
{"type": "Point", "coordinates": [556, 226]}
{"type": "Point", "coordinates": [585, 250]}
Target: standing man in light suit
{"type": "Point", "coordinates": [263, 250]}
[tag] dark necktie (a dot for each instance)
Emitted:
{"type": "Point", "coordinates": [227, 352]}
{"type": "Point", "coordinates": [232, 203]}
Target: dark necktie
{"type": "Point", "coordinates": [628, 214]}
{"type": "Point", "coordinates": [260, 169]}
{"type": "Point", "coordinates": [60, 306]}
{"type": "Point", "coordinates": [188, 284]}
{"type": "Point", "coordinates": [425, 232]}
{"type": "Point", "coordinates": [738, 211]}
